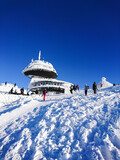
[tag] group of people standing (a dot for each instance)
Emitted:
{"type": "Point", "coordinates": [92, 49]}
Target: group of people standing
{"type": "Point", "coordinates": [94, 87]}
{"type": "Point", "coordinates": [74, 88]}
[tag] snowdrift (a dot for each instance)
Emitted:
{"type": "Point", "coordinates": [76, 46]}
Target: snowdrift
{"type": "Point", "coordinates": [74, 127]}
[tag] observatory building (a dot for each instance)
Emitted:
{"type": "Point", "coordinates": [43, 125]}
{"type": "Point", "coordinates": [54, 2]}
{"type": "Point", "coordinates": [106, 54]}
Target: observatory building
{"type": "Point", "coordinates": [43, 75]}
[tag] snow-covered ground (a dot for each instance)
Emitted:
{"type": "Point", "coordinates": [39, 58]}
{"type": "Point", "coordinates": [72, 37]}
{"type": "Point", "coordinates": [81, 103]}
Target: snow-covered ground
{"type": "Point", "coordinates": [74, 127]}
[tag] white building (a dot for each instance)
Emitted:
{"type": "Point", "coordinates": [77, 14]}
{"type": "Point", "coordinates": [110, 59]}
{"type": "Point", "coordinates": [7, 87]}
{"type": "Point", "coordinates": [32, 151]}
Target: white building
{"type": "Point", "coordinates": [104, 84]}
{"type": "Point", "coordinates": [43, 75]}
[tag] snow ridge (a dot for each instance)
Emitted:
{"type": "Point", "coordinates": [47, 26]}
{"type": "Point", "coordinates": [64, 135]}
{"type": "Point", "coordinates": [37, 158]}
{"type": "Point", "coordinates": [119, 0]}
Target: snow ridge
{"type": "Point", "coordinates": [63, 127]}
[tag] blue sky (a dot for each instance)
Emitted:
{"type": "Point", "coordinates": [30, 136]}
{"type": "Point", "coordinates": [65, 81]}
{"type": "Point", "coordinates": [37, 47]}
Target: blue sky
{"type": "Point", "coordinates": [80, 38]}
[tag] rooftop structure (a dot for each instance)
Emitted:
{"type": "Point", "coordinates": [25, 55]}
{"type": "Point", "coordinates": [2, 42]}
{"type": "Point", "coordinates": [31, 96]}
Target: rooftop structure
{"type": "Point", "coordinates": [39, 68]}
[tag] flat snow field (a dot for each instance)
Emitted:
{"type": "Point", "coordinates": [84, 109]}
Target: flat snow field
{"type": "Point", "coordinates": [73, 127]}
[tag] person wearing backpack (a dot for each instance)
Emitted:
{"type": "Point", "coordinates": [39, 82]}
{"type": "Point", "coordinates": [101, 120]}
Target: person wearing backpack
{"type": "Point", "coordinates": [71, 89]}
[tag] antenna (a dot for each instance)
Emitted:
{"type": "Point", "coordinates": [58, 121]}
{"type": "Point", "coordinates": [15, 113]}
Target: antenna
{"type": "Point", "coordinates": [39, 55]}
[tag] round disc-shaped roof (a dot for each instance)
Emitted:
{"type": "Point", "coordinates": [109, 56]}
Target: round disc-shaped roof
{"type": "Point", "coordinates": [40, 73]}
{"type": "Point", "coordinates": [40, 68]}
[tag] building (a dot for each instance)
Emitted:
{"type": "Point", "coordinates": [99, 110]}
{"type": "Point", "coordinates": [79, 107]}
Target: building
{"type": "Point", "coordinates": [104, 83]}
{"type": "Point", "coordinates": [43, 75]}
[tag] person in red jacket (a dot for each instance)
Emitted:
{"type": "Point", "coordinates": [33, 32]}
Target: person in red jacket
{"type": "Point", "coordinates": [44, 94]}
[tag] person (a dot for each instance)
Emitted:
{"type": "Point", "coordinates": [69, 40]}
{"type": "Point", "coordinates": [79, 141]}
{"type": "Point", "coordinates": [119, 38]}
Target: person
{"type": "Point", "coordinates": [74, 87]}
{"type": "Point", "coordinates": [28, 91]}
{"type": "Point", "coordinates": [44, 94]}
{"type": "Point", "coordinates": [77, 87]}
{"type": "Point", "coordinates": [94, 87]}
{"type": "Point", "coordinates": [36, 91]}
{"type": "Point", "coordinates": [22, 91]}
{"type": "Point", "coordinates": [101, 85]}
{"type": "Point", "coordinates": [86, 89]}
{"type": "Point", "coordinates": [71, 89]}
{"type": "Point", "coordinates": [11, 91]}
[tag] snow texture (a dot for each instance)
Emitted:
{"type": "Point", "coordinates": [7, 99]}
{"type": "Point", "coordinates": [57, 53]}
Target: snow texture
{"type": "Point", "coordinates": [64, 127]}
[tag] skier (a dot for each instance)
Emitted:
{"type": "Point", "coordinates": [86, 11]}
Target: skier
{"type": "Point", "coordinates": [86, 89]}
{"type": "Point", "coordinates": [94, 87]}
{"type": "Point", "coordinates": [44, 94]}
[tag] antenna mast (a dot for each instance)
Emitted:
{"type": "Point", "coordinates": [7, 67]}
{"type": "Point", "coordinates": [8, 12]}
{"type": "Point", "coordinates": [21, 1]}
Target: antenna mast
{"type": "Point", "coordinates": [39, 55]}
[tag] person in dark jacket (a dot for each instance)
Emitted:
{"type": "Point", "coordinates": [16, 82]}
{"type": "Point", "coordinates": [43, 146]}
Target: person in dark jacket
{"type": "Point", "coordinates": [22, 91]}
{"type": "Point", "coordinates": [94, 87]}
{"type": "Point", "coordinates": [86, 89]}
{"type": "Point", "coordinates": [44, 94]}
{"type": "Point", "coordinates": [36, 91]}
{"type": "Point", "coordinates": [11, 91]}
{"type": "Point", "coordinates": [74, 87]}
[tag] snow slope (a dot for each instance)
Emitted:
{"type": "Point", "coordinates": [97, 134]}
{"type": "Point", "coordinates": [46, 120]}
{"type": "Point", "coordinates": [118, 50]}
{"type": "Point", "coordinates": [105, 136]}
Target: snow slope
{"type": "Point", "coordinates": [74, 127]}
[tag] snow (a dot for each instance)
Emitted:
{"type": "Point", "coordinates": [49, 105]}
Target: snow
{"type": "Point", "coordinates": [64, 127]}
